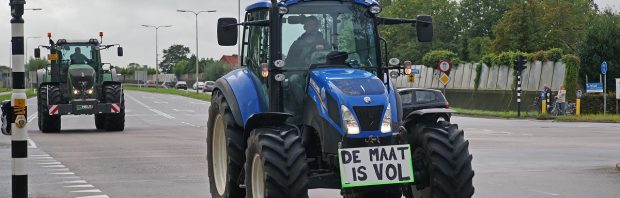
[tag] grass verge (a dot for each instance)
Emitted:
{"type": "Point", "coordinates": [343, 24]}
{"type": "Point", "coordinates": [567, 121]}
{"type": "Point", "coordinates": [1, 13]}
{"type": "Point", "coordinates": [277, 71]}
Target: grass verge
{"type": "Point", "coordinates": [3, 89]}
{"type": "Point", "coordinates": [29, 93]}
{"type": "Point", "coordinates": [199, 96]}
{"type": "Point", "coordinates": [611, 118]}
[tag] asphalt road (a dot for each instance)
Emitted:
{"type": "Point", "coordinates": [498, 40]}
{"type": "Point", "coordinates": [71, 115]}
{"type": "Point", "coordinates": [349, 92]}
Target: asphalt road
{"type": "Point", "coordinates": [161, 153]}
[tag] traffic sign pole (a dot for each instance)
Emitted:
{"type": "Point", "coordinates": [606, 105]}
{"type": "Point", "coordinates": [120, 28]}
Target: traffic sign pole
{"type": "Point", "coordinates": [604, 72]}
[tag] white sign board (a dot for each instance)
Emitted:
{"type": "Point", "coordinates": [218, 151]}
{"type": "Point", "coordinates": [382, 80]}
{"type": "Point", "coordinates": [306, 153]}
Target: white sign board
{"type": "Point", "coordinates": [367, 166]}
{"type": "Point", "coordinates": [444, 66]}
{"type": "Point", "coordinates": [618, 88]}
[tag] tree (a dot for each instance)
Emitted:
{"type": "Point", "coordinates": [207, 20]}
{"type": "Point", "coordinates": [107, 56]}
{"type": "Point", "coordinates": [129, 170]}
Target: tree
{"type": "Point", "coordinates": [600, 44]}
{"type": "Point", "coordinates": [172, 55]}
{"type": "Point", "coordinates": [181, 68]}
{"type": "Point", "coordinates": [477, 17]}
{"type": "Point", "coordinates": [36, 64]}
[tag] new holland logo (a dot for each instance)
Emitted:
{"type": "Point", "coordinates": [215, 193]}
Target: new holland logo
{"type": "Point", "coordinates": [367, 100]}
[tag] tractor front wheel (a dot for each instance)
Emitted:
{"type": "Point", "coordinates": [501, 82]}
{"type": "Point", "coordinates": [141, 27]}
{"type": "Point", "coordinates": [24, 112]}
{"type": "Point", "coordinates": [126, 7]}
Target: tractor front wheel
{"type": "Point", "coordinates": [113, 93]}
{"type": "Point", "coordinates": [441, 157]}
{"type": "Point", "coordinates": [48, 95]}
{"type": "Point", "coordinates": [99, 121]}
{"type": "Point", "coordinates": [276, 164]}
{"type": "Point", "coordinates": [225, 146]}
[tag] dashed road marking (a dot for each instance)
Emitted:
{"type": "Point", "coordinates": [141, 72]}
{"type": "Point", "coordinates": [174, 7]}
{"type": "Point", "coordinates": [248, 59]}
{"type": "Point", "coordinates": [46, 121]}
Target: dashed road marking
{"type": "Point", "coordinates": [95, 196]}
{"type": "Point", "coordinates": [199, 103]}
{"type": "Point", "coordinates": [74, 182]}
{"type": "Point", "coordinates": [87, 191]}
{"type": "Point", "coordinates": [50, 163]}
{"type": "Point", "coordinates": [183, 110]}
{"type": "Point", "coordinates": [160, 102]}
{"type": "Point", "coordinates": [151, 109]}
{"type": "Point", "coordinates": [54, 166]}
{"type": "Point", "coordinates": [63, 173]}
{"type": "Point", "coordinates": [80, 186]}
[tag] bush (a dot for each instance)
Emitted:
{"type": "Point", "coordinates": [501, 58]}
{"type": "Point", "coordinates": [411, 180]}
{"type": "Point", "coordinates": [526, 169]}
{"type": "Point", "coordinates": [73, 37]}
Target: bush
{"type": "Point", "coordinates": [537, 56]}
{"type": "Point", "coordinates": [572, 76]}
{"type": "Point", "coordinates": [553, 55]}
{"type": "Point", "coordinates": [432, 58]}
{"type": "Point", "coordinates": [477, 79]}
{"type": "Point", "coordinates": [593, 104]}
{"type": "Point", "coordinates": [489, 59]}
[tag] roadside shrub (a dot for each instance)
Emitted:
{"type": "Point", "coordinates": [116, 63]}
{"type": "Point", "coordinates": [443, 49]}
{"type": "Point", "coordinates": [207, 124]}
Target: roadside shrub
{"type": "Point", "coordinates": [537, 56]}
{"type": "Point", "coordinates": [432, 58]}
{"type": "Point", "coordinates": [489, 59]}
{"type": "Point", "coordinates": [478, 74]}
{"type": "Point", "coordinates": [572, 76]}
{"type": "Point", "coordinates": [553, 55]}
{"type": "Point", "coordinates": [593, 103]}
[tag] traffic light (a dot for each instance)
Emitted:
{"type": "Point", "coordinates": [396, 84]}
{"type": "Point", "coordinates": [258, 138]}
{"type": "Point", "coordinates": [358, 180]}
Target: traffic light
{"type": "Point", "coordinates": [520, 63]}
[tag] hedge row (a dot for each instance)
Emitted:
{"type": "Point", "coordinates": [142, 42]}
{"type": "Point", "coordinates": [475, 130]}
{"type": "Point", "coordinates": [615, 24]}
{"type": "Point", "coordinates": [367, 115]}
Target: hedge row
{"type": "Point", "coordinates": [593, 104]}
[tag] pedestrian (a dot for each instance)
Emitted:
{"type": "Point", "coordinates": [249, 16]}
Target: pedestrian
{"type": "Point", "coordinates": [561, 100]}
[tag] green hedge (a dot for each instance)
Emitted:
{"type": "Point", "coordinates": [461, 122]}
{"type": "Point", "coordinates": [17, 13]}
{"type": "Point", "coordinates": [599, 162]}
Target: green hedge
{"type": "Point", "coordinates": [593, 104]}
{"type": "Point", "coordinates": [553, 55]}
{"type": "Point", "coordinates": [432, 58]}
{"type": "Point", "coordinates": [571, 77]}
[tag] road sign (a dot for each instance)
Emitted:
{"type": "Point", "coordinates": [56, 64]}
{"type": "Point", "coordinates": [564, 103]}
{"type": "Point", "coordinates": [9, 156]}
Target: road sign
{"type": "Point", "coordinates": [444, 66]}
{"type": "Point", "coordinates": [415, 71]}
{"type": "Point", "coordinates": [444, 79]}
{"type": "Point", "coordinates": [594, 87]}
{"type": "Point", "coordinates": [411, 77]}
{"type": "Point", "coordinates": [604, 68]}
{"type": "Point", "coordinates": [618, 88]}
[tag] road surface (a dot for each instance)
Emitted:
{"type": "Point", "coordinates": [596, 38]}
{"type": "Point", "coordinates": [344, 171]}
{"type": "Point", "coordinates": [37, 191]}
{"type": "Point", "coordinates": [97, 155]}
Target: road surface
{"type": "Point", "coordinates": [161, 153]}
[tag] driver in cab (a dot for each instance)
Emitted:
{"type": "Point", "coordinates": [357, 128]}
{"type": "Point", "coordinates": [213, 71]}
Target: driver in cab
{"type": "Point", "coordinates": [310, 41]}
{"type": "Point", "coordinates": [78, 58]}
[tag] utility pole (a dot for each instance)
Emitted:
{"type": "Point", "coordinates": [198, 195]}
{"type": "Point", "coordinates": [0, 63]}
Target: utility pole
{"type": "Point", "coordinates": [156, 52]}
{"type": "Point", "coordinates": [197, 59]}
{"type": "Point", "coordinates": [19, 134]}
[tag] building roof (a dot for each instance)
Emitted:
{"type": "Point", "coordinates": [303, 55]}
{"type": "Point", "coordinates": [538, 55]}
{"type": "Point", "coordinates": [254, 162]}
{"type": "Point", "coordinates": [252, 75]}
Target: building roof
{"type": "Point", "coordinates": [231, 60]}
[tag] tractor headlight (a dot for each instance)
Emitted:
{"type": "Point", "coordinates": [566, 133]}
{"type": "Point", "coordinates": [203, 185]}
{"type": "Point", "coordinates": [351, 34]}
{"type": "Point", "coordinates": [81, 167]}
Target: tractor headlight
{"type": "Point", "coordinates": [375, 9]}
{"type": "Point", "coordinates": [75, 91]}
{"type": "Point", "coordinates": [348, 121]}
{"type": "Point", "coordinates": [89, 91]}
{"type": "Point", "coordinates": [386, 125]}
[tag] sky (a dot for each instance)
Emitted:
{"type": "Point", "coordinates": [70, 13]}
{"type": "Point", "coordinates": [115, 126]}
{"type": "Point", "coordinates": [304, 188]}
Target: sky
{"type": "Point", "coordinates": [121, 21]}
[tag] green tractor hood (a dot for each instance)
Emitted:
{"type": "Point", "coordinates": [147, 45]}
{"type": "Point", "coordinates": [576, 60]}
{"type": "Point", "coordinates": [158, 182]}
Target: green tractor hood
{"type": "Point", "coordinates": [81, 76]}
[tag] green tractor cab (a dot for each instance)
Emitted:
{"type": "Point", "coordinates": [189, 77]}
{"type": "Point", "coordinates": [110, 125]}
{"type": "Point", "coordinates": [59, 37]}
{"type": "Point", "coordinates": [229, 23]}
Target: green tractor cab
{"type": "Point", "coordinates": [78, 83]}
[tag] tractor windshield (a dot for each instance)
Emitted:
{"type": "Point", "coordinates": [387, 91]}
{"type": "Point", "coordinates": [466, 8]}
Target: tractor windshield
{"type": "Point", "coordinates": [76, 54]}
{"type": "Point", "coordinates": [313, 30]}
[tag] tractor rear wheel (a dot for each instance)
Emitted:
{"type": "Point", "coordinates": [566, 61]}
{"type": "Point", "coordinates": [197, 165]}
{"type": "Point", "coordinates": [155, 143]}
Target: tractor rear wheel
{"type": "Point", "coordinates": [99, 120]}
{"type": "Point", "coordinates": [276, 164]}
{"type": "Point", "coordinates": [225, 147]}
{"type": "Point", "coordinates": [441, 156]}
{"type": "Point", "coordinates": [48, 95]}
{"type": "Point", "coordinates": [113, 93]}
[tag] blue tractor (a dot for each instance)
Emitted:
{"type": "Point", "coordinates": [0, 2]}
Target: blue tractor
{"type": "Point", "coordinates": [313, 107]}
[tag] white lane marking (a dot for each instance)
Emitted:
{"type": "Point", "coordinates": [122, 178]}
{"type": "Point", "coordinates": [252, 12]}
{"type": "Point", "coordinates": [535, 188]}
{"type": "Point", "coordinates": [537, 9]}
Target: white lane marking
{"type": "Point", "coordinates": [31, 117]}
{"type": "Point", "coordinates": [151, 109]}
{"type": "Point", "coordinates": [49, 163]}
{"type": "Point", "coordinates": [80, 186]}
{"type": "Point", "coordinates": [45, 155]}
{"type": "Point", "coordinates": [160, 102]}
{"type": "Point", "coordinates": [63, 173]}
{"type": "Point", "coordinates": [43, 158]}
{"type": "Point", "coordinates": [147, 97]}
{"type": "Point", "coordinates": [61, 169]}
{"type": "Point", "coordinates": [87, 191]}
{"type": "Point", "coordinates": [69, 177]}
{"type": "Point", "coordinates": [95, 196]}
{"type": "Point", "coordinates": [31, 144]}
{"type": "Point", "coordinates": [74, 182]}
{"type": "Point", "coordinates": [199, 103]}
{"type": "Point", "coordinates": [546, 193]}
{"type": "Point", "coordinates": [183, 110]}
{"type": "Point", "coordinates": [54, 166]}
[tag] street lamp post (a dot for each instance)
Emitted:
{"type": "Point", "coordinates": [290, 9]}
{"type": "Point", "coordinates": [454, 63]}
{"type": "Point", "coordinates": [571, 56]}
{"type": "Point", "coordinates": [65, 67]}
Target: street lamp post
{"type": "Point", "coordinates": [156, 51]}
{"type": "Point", "coordinates": [196, 13]}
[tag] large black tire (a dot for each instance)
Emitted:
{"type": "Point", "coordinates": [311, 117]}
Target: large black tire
{"type": "Point", "coordinates": [441, 153]}
{"type": "Point", "coordinates": [48, 94]}
{"type": "Point", "coordinates": [113, 93]}
{"type": "Point", "coordinates": [230, 134]}
{"type": "Point", "coordinates": [99, 121]}
{"type": "Point", "coordinates": [276, 164]}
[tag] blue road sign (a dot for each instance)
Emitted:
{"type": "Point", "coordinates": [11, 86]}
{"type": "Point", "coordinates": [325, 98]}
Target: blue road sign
{"type": "Point", "coordinates": [604, 68]}
{"type": "Point", "coordinates": [415, 71]}
{"type": "Point", "coordinates": [594, 87]}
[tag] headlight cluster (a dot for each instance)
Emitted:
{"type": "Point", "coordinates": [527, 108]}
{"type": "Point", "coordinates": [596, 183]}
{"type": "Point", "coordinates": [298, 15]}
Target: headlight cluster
{"type": "Point", "coordinates": [386, 125]}
{"type": "Point", "coordinates": [348, 121]}
{"type": "Point", "coordinates": [88, 91]}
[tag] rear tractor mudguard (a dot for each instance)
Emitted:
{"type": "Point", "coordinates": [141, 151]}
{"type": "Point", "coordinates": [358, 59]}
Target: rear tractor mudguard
{"type": "Point", "coordinates": [427, 115]}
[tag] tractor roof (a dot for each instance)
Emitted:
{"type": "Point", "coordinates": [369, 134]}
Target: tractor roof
{"type": "Point", "coordinates": [267, 4]}
{"type": "Point", "coordinates": [89, 41]}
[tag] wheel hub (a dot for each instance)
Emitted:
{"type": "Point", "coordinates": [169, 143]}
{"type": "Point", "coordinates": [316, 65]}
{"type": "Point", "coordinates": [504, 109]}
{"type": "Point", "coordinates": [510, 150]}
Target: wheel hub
{"type": "Point", "coordinates": [220, 155]}
{"type": "Point", "coordinates": [258, 178]}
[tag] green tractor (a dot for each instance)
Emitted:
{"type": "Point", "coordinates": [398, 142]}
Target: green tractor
{"type": "Point", "coordinates": [78, 83]}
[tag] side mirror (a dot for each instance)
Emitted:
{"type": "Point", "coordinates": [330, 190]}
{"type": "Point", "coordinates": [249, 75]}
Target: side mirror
{"type": "Point", "coordinates": [227, 31]}
{"type": "Point", "coordinates": [424, 28]}
{"type": "Point", "coordinates": [119, 51]}
{"type": "Point", "coordinates": [106, 67]}
{"type": "Point", "coordinates": [37, 52]}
